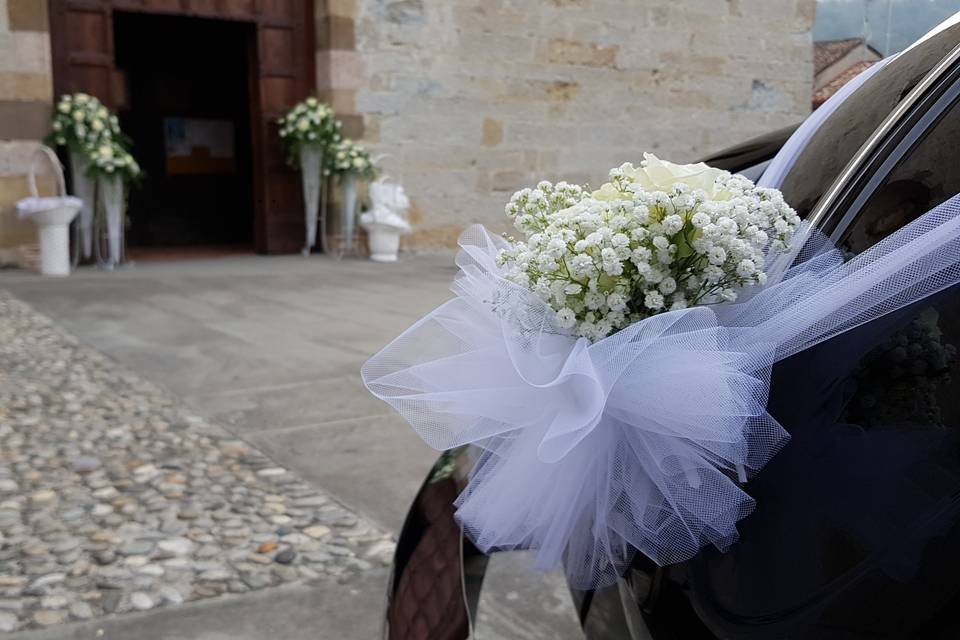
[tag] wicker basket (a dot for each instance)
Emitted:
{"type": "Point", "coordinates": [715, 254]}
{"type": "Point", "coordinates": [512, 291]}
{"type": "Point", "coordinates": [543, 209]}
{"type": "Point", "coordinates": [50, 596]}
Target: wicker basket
{"type": "Point", "coordinates": [52, 216]}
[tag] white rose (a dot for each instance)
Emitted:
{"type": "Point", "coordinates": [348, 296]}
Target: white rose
{"type": "Point", "coordinates": [659, 175]}
{"type": "Point", "coordinates": [303, 124]}
{"type": "Point", "coordinates": [105, 151]}
{"type": "Point", "coordinates": [97, 125]}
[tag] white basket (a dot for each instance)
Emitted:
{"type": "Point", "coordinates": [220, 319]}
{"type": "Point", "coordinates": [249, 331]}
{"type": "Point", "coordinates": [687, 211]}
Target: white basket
{"type": "Point", "coordinates": [52, 216]}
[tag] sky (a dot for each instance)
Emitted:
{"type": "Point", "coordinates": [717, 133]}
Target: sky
{"type": "Point", "coordinates": [888, 25]}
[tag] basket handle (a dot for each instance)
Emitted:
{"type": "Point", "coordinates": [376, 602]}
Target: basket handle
{"type": "Point", "coordinates": [44, 151]}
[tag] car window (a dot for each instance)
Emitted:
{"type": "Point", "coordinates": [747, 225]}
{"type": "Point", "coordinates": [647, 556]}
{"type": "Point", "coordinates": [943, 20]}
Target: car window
{"type": "Point", "coordinates": [925, 177]}
{"type": "Point", "coordinates": [845, 131]}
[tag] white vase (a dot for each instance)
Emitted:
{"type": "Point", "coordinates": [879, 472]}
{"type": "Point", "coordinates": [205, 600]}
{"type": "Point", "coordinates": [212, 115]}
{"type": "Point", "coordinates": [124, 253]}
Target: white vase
{"type": "Point", "coordinates": [54, 231]}
{"type": "Point", "coordinates": [384, 242]}
{"type": "Point", "coordinates": [349, 212]}
{"type": "Point", "coordinates": [83, 188]}
{"type": "Point", "coordinates": [311, 162]}
{"type": "Point", "coordinates": [112, 202]}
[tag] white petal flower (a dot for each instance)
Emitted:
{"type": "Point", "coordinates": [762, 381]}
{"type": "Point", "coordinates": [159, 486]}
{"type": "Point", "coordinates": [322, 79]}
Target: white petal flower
{"type": "Point", "coordinates": [672, 224]}
{"type": "Point", "coordinates": [717, 255]}
{"type": "Point", "coordinates": [653, 300]}
{"type": "Point", "coordinates": [667, 286]}
{"type": "Point", "coordinates": [566, 318]}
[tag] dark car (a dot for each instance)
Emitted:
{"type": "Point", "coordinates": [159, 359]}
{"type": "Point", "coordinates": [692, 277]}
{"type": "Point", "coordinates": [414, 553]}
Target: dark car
{"type": "Point", "coordinates": [857, 529]}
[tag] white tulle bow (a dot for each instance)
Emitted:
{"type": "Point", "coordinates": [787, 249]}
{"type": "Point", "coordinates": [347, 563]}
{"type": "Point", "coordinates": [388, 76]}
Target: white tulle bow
{"type": "Point", "coordinates": [642, 440]}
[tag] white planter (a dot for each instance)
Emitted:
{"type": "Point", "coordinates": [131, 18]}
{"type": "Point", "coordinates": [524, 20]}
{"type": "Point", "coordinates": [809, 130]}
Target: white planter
{"type": "Point", "coordinates": [53, 227]}
{"type": "Point", "coordinates": [83, 188]}
{"type": "Point", "coordinates": [384, 242]}
{"type": "Point", "coordinates": [112, 203]}
{"type": "Point", "coordinates": [349, 212]}
{"type": "Point", "coordinates": [311, 162]}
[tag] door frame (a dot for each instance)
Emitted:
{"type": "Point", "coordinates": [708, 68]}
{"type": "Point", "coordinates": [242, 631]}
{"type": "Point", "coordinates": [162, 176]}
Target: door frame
{"type": "Point", "coordinates": [282, 71]}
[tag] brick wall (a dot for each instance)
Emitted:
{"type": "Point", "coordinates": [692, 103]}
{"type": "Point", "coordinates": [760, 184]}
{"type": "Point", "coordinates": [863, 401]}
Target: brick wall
{"type": "Point", "coordinates": [477, 98]}
{"type": "Point", "coordinates": [26, 95]}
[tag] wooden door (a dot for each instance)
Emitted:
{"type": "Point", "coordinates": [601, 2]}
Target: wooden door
{"type": "Point", "coordinates": [283, 73]}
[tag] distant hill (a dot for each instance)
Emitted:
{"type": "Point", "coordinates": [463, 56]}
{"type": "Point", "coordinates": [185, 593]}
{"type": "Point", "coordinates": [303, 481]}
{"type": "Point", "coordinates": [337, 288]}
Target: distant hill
{"type": "Point", "coordinates": [907, 20]}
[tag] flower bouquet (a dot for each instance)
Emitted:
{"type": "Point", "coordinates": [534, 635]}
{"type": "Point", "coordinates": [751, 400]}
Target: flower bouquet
{"type": "Point", "coordinates": [114, 168]}
{"type": "Point", "coordinates": [307, 132]}
{"type": "Point", "coordinates": [656, 237]}
{"type": "Point", "coordinates": [350, 162]}
{"type": "Point", "coordinates": [613, 364]}
{"type": "Point", "coordinates": [82, 124]}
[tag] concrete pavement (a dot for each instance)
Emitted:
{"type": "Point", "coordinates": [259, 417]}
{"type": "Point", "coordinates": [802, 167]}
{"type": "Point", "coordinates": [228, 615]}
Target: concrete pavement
{"type": "Point", "coordinates": [270, 348]}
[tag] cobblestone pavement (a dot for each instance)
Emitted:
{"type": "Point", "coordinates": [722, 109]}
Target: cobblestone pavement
{"type": "Point", "coordinates": [113, 498]}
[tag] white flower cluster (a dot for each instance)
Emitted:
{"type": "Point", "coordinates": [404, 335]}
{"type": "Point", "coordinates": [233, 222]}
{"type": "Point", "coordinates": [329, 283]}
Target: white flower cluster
{"type": "Point", "coordinates": [112, 159]}
{"type": "Point", "coordinates": [655, 238]}
{"type": "Point", "coordinates": [350, 158]}
{"type": "Point", "coordinates": [81, 123]}
{"type": "Point", "coordinates": [310, 122]}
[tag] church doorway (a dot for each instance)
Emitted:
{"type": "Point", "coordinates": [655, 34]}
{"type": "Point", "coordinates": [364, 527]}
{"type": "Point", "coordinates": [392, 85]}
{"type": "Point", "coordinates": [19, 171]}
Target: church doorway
{"type": "Point", "coordinates": [186, 104]}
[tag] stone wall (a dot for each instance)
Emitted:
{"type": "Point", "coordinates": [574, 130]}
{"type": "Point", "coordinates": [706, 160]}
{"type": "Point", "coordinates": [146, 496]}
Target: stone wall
{"type": "Point", "coordinates": [477, 98]}
{"type": "Point", "coordinates": [26, 96]}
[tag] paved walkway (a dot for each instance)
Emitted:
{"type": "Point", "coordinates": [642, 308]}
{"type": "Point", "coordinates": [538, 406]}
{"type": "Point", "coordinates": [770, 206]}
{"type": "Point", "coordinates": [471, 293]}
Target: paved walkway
{"type": "Point", "coordinates": [270, 348]}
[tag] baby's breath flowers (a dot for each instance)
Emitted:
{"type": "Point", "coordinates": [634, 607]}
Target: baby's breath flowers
{"type": "Point", "coordinates": [348, 158]}
{"type": "Point", "coordinates": [310, 122]}
{"type": "Point", "coordinates": [655, 238]}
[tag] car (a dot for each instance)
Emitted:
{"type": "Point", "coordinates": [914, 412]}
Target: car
{"type": "Point", "coordinates": [857, 529]}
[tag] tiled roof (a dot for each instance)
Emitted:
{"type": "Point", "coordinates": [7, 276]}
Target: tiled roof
{"type": "Point", "coordinates": [826, 52]}
{"type": "Point", "coordinates": [834, 85]}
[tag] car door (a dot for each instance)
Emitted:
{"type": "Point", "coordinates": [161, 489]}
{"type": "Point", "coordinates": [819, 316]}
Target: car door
{"type": "Point", "coordinates": [857, 532]}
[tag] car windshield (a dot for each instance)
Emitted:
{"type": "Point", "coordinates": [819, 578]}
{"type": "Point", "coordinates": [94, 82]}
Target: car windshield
{"type": "Point", "coordinates": [835, 143]}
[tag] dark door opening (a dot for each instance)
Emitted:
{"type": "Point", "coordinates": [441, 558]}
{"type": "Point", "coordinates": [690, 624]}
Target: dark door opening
{"type": "Point", "coordinates": [187, 108]}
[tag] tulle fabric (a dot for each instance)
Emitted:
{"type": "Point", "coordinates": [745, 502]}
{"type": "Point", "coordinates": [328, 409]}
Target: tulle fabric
{"type": "Point", "coordinates": [641, 441]}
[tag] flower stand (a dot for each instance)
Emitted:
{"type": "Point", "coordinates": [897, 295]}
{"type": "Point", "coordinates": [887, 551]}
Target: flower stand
{"type": "Point", "coordinates": [311, 161]}
{"type": "Point", "coordinates": [112, 205]}
{"type": "Point", "coordinates": [84, 188]}
{"type": "Point", "coordinates": [349, 212]}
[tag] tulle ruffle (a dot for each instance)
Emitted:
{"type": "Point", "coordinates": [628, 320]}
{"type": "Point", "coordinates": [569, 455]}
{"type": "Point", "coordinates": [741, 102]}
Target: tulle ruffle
{"type": "Point", "coordinates": [641, 441]}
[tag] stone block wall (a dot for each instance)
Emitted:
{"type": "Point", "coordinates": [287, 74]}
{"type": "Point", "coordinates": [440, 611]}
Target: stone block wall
{"type": "Point", "coordinates": [474, 99]}
{"type": "Point", "coordinates": [26, 97]}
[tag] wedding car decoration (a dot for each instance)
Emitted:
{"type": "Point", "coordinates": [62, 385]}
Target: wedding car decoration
{"type": "Point", "coordinates": [349, 162]}
{"type": "Point", "coordinates": [386, 220]}
{"type": "Point", "coordinates": [307, 132]}
{"type": "Point", "coordinates": [114, 168]}
{"type": "Point", "coordinates": [82, 124]}
{"type": "Point", "coordinates": [616, 414]}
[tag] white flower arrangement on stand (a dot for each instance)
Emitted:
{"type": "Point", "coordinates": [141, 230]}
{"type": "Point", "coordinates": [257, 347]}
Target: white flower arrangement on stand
{"type": "Point", "coordinates": [350, 162]}
{"type": "Point", "coordinates": [656, 237]}
{"type": "Point", "coordinates": [82, 124]}
{"type": "Point", "coordinates": [114, 168]}
{"type": "Point", "coordinates": [307, 132]}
